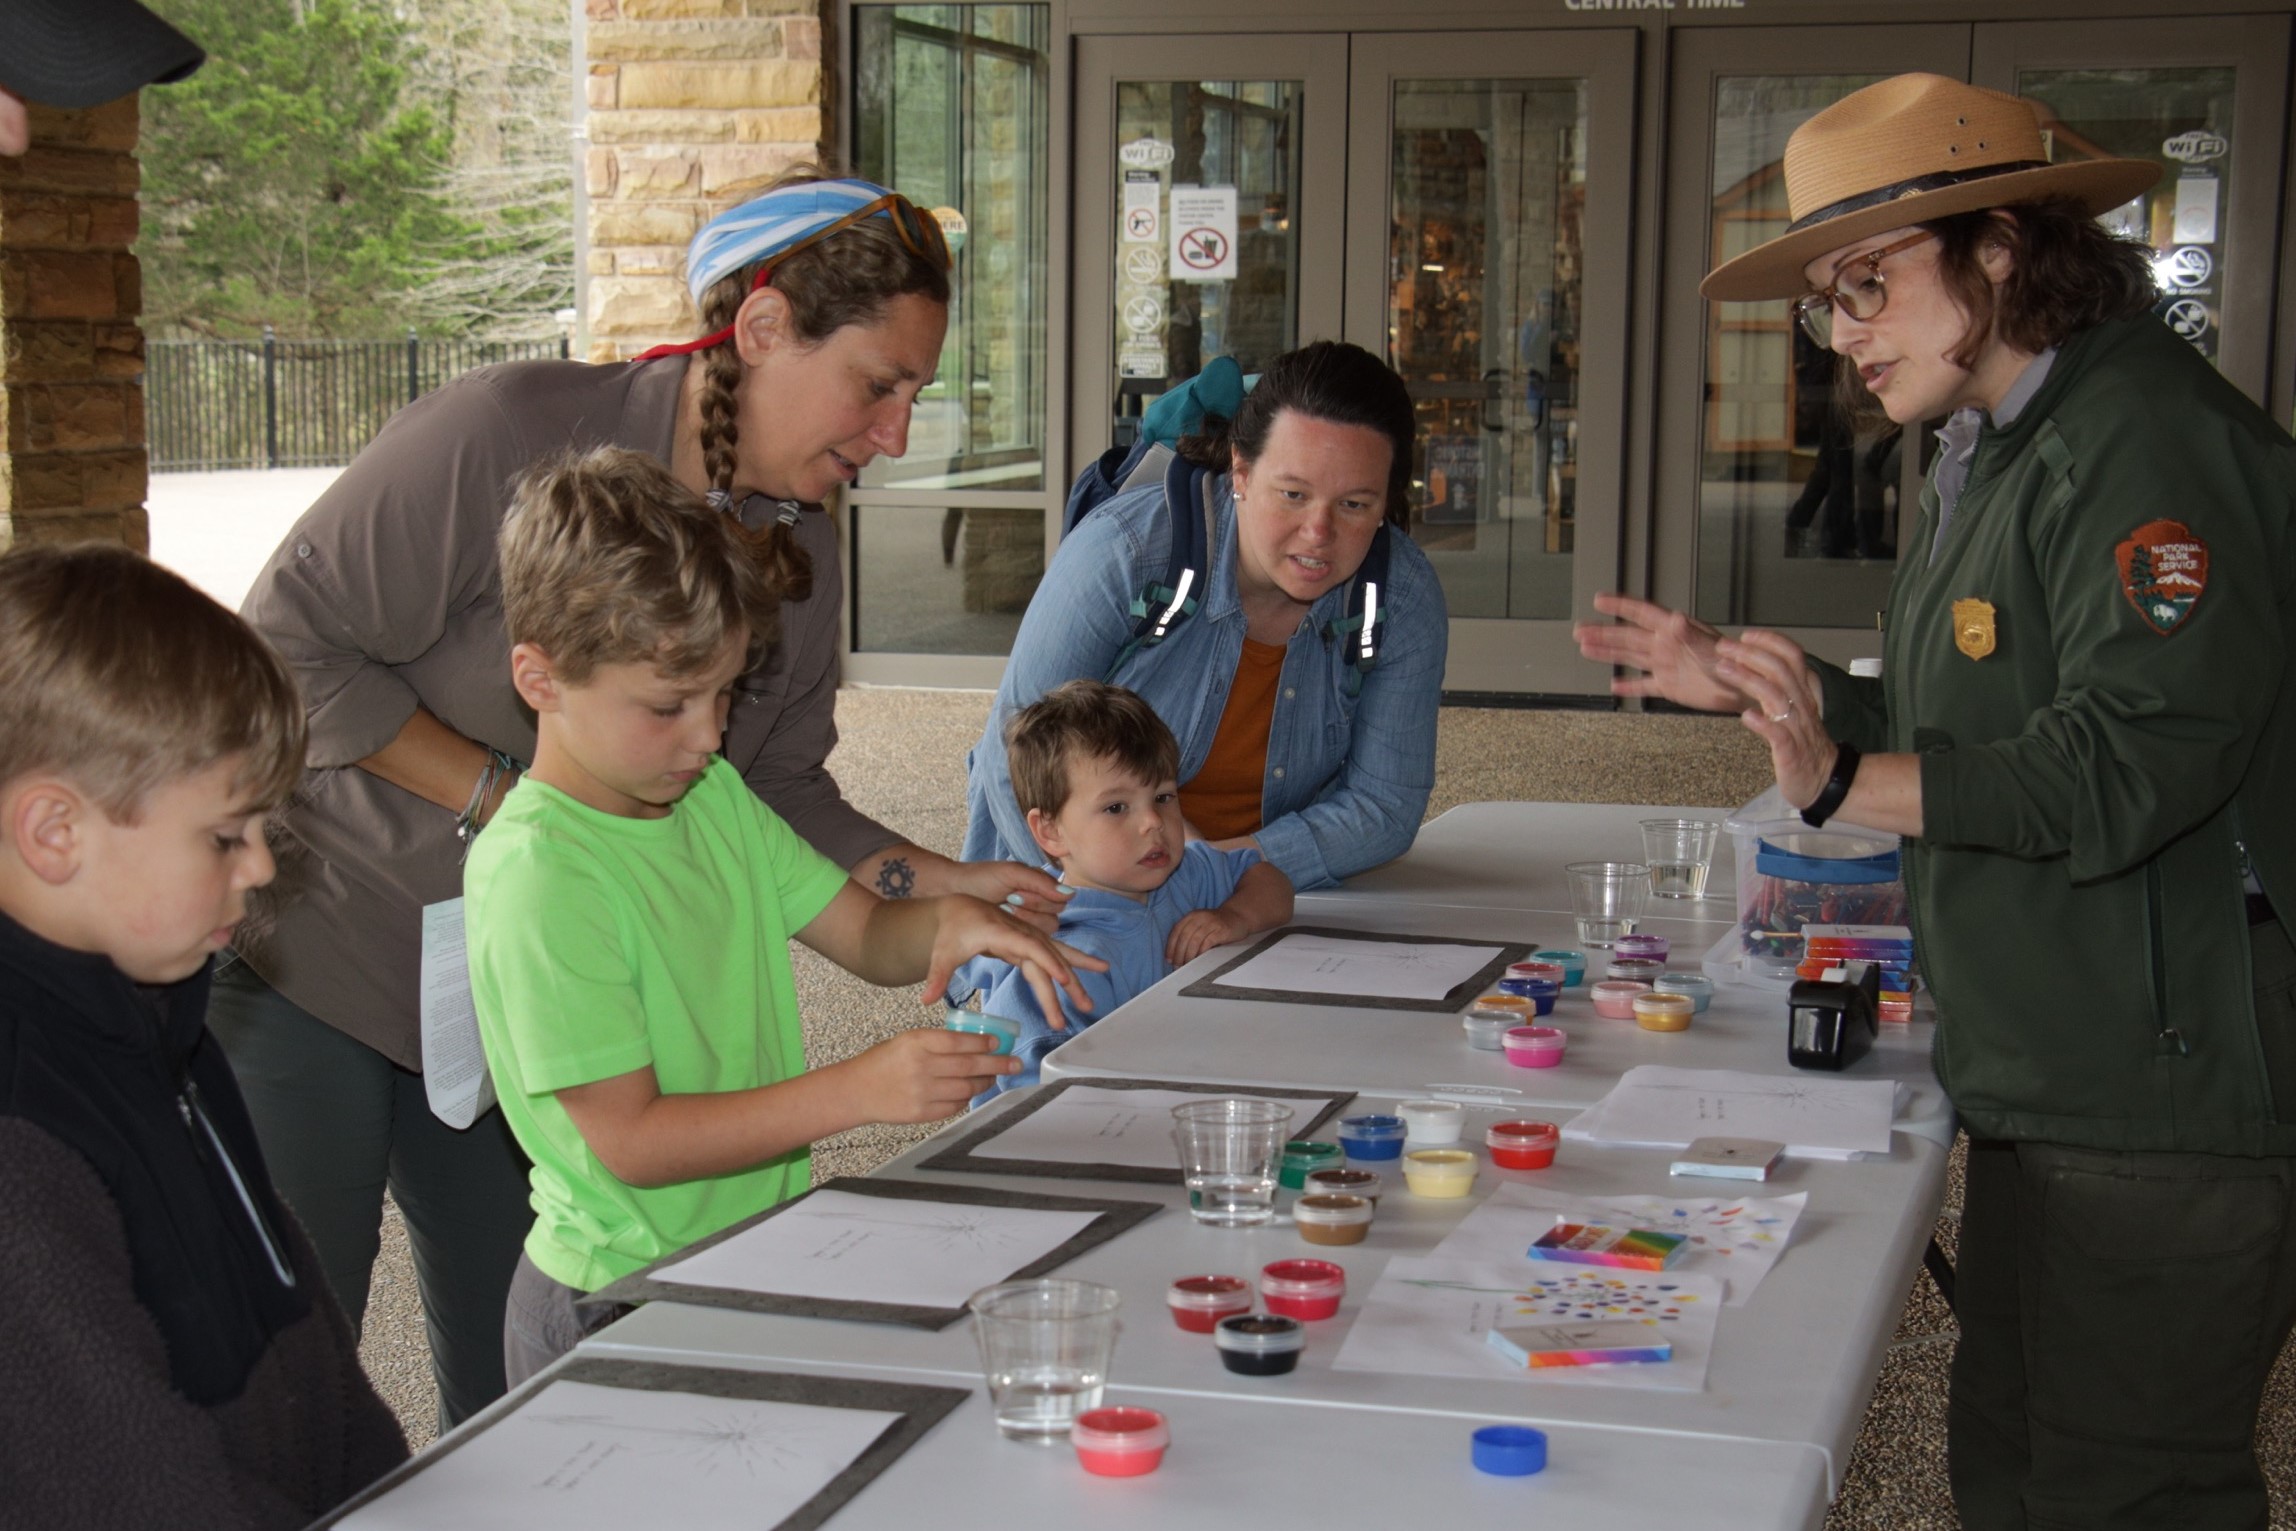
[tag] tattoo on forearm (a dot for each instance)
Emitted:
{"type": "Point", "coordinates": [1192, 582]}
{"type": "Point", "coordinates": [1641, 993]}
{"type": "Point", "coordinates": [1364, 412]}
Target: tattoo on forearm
{"type": "Point", "coordinates": [896, 878]}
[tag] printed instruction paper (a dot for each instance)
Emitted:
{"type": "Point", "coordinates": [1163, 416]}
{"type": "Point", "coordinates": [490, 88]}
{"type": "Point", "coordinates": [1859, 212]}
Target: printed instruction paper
{"type": "Point", "coordinates": [1087, 1124]}
{"type": "Point", "coordinates": [455, 1077]}
{"type": "Point", "coordinates": [1302, 963]}
{"type": "Point", "coordinates": [581, 1457]}
{"type": "Point", "coordinates": [849, 1248]}
{"type": "Point", "coordinates": [1656, 1107]}
{"type": "Point", "coordinates": [1735, 1240]}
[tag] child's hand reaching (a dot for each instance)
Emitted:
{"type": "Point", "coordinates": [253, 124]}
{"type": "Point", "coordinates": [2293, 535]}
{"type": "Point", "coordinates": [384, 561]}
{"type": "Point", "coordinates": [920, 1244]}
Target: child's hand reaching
{"type": "Point", "coordinates": [1199, 932]}
{"type": "Point", "coordinates": [970, 928]}
{"type": "Point", "coordinates": [925, 1075]}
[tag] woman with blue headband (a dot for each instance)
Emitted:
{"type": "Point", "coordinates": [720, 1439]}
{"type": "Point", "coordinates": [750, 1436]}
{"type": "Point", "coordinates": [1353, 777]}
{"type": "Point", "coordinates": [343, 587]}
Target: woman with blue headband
{"type": "Point", "coordinates": [825, 302]}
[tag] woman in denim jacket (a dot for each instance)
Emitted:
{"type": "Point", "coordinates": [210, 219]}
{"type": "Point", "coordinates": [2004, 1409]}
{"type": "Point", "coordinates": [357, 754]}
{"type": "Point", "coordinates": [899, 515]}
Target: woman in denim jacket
{"type": "Point", "coordinates": [1284, 745]}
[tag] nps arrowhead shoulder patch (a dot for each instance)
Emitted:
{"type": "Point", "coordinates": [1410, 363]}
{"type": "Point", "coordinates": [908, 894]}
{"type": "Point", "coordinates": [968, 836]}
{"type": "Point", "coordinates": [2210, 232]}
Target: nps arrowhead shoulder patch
{"type": "Point", "coordinates": [2164, 569]}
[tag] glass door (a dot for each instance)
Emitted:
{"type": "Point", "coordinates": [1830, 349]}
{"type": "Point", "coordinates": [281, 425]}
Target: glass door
{"type": "Point", "coordinates": [1488, 185]}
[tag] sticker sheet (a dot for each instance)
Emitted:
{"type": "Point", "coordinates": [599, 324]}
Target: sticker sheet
{"type": "Point", "coordinates": [1734, 1240]}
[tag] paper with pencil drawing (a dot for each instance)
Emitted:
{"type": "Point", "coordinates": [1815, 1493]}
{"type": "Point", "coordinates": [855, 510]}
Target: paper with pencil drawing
{"type": "Point", "coordinates": [581, 1457]}
{"type": "Point", "coordinates": [834, 1244]}
{"type": "Point", "coordinates": [1086, 1124]}
{"type": "Point", "coordinates": [1302, 963]}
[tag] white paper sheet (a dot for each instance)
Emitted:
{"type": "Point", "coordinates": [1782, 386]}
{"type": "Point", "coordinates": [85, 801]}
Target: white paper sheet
{"type": "Point", "coordinates": [1310, 964]}
{"type": "Point", "coordinates": [455, 1077]}
{"type": "Point", "coordinates": [1428, 1317]}
{"type": "Point", "coordinates": [1734, 1240]}
{"type": "Point", "coordinates": [1656, 1107]}
{"type": "Point", "coordinates": [835, 1244]}
{"type": "Point", "coordinates": [580, 1457]}
{"type": "Point", "coordinates": [1086, 1124]}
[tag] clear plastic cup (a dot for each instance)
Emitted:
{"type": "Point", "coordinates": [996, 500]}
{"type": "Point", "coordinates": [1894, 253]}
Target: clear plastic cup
{"type": "Point", "coordinates": [1680, 854]}
{"type": "Point", "coordinates": [1229, 1152]}
{"type": "Point", "coordinates": [1045, 1348]}
{"type": "Point", "coordinates": [1607, 897]}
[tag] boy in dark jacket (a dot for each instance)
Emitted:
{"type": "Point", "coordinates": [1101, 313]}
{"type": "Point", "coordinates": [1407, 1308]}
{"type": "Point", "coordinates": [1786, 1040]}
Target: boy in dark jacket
{"type": "Point", "coordinates": [172, 1354]}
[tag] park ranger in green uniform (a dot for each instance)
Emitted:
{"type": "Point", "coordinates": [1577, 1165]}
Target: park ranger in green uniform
{"type": "Point", "coordinates": [2086, 731]}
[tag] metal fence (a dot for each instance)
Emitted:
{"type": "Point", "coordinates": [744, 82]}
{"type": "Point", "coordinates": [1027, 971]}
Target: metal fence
{"type": "Point", "coordinates": [275, 403]}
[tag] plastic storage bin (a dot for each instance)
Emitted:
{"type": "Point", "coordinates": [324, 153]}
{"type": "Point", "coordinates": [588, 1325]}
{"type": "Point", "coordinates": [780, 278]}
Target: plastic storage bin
{"type": "Point", "coordinates": [1789, 876]}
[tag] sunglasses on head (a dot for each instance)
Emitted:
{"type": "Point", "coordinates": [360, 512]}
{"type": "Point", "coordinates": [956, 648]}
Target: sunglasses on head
{"type": "Point", "coordinates": [919, 232]}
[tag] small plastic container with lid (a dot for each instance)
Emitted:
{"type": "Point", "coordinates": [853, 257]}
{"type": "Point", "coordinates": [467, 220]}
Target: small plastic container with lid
{"type": "Point", "coordinates": [1486, 1028]}
{"type": "Point", "coordinates": [1198, 1303]}
{"type": "Point", "coordinates": [1433, 1121]}
{"type": "Point", "coordinates": [1498, 1001]}
{"type": "Point", "coordinates": [1302, 1289]}
{"type": "Point", "coordinates": [1325, 1217]}
{"type": "Point", "coordinates": [1614, 998]}
{"type": "Point", "coordinates": [1373, 1136]}
{"type": "Point", "coordinates": [1698, 986]}
{"type": "Point", "coordinates": [1664, 1012]}
{"type": "Point", "coordinates": [1441, 1173]}
{"type": "Point", "coordinates": [1260, 1344]}
{"type": "Point", "coordinates": [1634, 970]}
{"type": "Point", "coordinates": [1535, 1047]}
{"type": "Point", "coordinates": [1653, 948]}
{"type": "Point", "coordinates": [1573, 964]}
{"type": "Point", "coordinates": [1000, 1030]}
{"type": "Point", "coordinates": [1120, 1442]}
{"type": "Point", "coordinates": [1344, 1182]}
{"type": "Point", "coordinates": [1538, 967]}
{"type": "Point", "coordinates": [1509, 1451]}
{"type": "Point", "coordinates": [1300, 1157]}
{"type": "Point", "coordinates": [1541, 992]}
{"type": "Point", "coordinates": [1523, 1145]}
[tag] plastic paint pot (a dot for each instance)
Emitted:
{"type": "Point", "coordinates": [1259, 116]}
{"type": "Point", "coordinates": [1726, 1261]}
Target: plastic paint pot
{"type": "Point", "coordinates": [1541, 992]}
{"type": "Point", "coordinates": [1664, 1012]}
{"type": "Point", "coordinates": [1614, 1000]}
{"type": "Point", "coordinates": [1498, 1001]}
{"type": "Point", "coordinates": [1260, 1344]}
{"type": "Point", "coordinates": [1654, 948]}
{"type": "Point", "coordinates": [1300, 1157]}
{"type": "Point", "coordinates": [1326, 1218]}
{"type": "Point", "coordinates": [1433, 1121]}
{"type": "Point", "coordinates": [1523, 1145]}
{"type": "Point", "coordinates": [1572, 963]}
{"type": "Point", "coordinates": [1198, 1303]}
{"type": "Point", "coordinates": [1698, 986]}
{"type": "Point", "coordinates": [1635, 970]}
{"type": "Point", "coordinates": [1535, 1047]}
{"type": "Point", "coordinates": [1346, 1182]}
{"type": "Point", "coordinates": [1485, 1028]}
{"type": "Point", "coordinates": [1003, 1032]}
{"type": "Point", "coordinates": [1303, 1289]}
{"type": "Point", "coordinates": [1120, 1442]}
{"type": "Point", "coordinates": [1537, 967]}
{"type": "Point", "coordinates": [1510, 1451]}
{"type": "Point", "coordinates": [1441, 1173]}
{"type": "Point", "coordinates": [1370, 1137]}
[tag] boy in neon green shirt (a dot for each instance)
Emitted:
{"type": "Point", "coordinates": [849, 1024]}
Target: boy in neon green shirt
{"type": "Point", "coordinates": [630, 906]}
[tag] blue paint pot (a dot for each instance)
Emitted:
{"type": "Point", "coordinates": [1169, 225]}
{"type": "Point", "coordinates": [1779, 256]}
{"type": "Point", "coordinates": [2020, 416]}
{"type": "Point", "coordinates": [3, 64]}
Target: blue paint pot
{"type": "Point", "coordinates": [1372, 1137]}
{"type": "Point", "coordinates": [1004, 1032]}
{"type": "Point", "coordinates": [1573, 965]}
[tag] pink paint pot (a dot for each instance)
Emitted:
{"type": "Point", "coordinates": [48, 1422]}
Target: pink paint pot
{"type": "Point", "coordinates": [1120, 1442]}
{"type": "Point", "coordinates": [1614, 998]}
{"type": "Point", "coordinates": [1303, 1289]}
{"type": "Point", "coordinates": [1535, 1047]}
{"type": "Point", "coordinates": [1523, 1145]}
{"type": "Point", "coordinates": [1198, 1303]}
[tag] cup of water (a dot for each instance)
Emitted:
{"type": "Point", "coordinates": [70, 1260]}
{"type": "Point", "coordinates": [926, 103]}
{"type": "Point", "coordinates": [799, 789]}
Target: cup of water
{"type": "Point", "coordinates": [1045, 1348]}
{"type": "Point", "coordinates": [1607, 897]}
{"type": "Point", "coordinates": [1229, 1157]}
{"type": "Point", "coordinates": [1679, 853]}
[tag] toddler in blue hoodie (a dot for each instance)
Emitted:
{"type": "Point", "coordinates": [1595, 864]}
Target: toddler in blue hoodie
{"type": "Point", "coordinates": [1097, 772]}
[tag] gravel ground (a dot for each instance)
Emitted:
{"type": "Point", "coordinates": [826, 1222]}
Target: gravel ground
{"type": "Point", "coordinates": [901, 760]}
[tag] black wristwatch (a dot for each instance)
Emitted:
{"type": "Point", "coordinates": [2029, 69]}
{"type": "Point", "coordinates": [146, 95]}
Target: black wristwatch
{"type": "Point", "coordinates": [1827, 803]}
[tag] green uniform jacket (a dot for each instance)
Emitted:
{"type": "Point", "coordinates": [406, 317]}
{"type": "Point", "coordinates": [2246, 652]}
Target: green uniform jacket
{"type": "Point", "coordinates": [2098, 739]}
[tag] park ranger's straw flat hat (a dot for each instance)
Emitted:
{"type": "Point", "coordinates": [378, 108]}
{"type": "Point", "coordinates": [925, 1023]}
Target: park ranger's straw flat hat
{"type": "Point", "coordinates": [76, 53]}
{"type": "Point", "coordinates": [1905, 151]}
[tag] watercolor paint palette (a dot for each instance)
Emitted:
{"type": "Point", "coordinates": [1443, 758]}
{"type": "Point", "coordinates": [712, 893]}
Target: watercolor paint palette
{"type": "Point", "coordinates": [1603, 1343]}
{"type": "Point", "coordinates": [1642, 1249]}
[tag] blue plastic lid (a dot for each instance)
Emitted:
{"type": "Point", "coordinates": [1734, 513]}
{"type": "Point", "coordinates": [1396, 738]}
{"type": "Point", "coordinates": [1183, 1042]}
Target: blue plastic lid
{"type": "Point", "coordinates": [1510, 1451]}
{"type": "Point", "coordinates": [1773, 862]}
{"type": "Point", "coordinates": [1374, 1126]}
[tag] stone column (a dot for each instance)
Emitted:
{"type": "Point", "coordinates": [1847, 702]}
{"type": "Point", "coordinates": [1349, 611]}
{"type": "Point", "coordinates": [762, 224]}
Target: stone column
{"type": "Point", "coordinates": [693, 106]}
{"type": "Point", "coordinates": [71, 354]}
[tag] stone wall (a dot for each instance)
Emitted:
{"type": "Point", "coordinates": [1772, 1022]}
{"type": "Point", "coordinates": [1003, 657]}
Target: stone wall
{"type": "Point", "coordinates": [71, 354]}
{"type": "Point", "coordinates": [694, 105]}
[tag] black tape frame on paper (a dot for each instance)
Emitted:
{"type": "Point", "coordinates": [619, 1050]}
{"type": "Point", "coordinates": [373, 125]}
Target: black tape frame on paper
{"type": "Point", "coordinates": [919, 1407]}
{"type": "Point", "coordinates": [1210, 987]}
{"type": "Point", "coordinates": [648, 1285]}
{"type": "Point", "coordinates": [959, 1156]}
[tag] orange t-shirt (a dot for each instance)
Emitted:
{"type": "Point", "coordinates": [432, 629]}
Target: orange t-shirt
{"type": "Point", "coordinates": [1223, 798]}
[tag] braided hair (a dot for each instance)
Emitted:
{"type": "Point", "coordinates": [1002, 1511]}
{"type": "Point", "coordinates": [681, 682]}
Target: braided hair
{"type": "Point", "coordinates": [849, 278]}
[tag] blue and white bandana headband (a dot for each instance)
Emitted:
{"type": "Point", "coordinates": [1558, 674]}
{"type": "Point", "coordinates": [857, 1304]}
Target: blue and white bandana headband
{"type": "Point", "coordinates": [765, 226]}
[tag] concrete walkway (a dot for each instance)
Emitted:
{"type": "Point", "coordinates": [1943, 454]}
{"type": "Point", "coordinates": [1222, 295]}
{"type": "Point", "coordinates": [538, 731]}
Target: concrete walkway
{"type": "Point", "coordinates": [218, 529]}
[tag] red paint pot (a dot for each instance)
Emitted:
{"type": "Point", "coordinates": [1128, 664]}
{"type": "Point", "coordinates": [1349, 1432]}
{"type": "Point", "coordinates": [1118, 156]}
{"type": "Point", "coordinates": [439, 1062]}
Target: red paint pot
{"type": "Point", "coordinates": [1303, 1289]}
{"type": "Point", "coordinates": [1120, 1442]}
{"type": "Point", "coordinates": [1198, 1303]}
{"type": "Point", "coordinates": [1523, 1145]}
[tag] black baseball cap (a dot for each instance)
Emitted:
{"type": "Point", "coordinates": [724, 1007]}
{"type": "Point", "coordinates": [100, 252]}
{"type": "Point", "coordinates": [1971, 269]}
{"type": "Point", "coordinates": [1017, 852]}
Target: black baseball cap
{"type": "Point", "coordinates": [76, 53]}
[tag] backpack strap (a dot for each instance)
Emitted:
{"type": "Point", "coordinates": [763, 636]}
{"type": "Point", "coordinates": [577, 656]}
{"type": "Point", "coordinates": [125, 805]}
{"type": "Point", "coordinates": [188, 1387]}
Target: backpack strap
{"type": "Point", "coordinates": [1163, 605]}
{"type": "Point", "coordinates": [1363, 615]}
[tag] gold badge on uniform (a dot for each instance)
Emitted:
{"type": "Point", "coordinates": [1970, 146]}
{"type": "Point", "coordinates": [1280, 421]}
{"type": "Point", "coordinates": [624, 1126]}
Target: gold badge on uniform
{"type": "Point", "coordinates": [1973, 627]}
